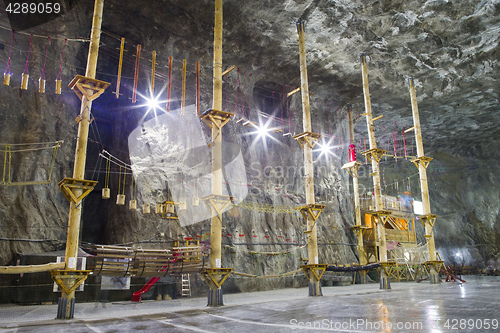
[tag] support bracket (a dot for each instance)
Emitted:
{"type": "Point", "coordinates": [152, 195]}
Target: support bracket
{"type": "Point", "coordinates": [383, 215]}
{"type": "Point", "coordinates": [437, 264]}
{"type": "Point", "coordinates": [88, 87]}
{"type": "Point", "coordinates": [375, 154]}
{"type": "Point", "coordinates": [307, 138]}
{"type": "Point", "coordinates": [68, 185]}
{"type": "Point", "coordinates": [316, 270]}
{"type": "Point", "coordinates": [424, 160]}
{"type": "Point", "coordinates": [216, 118]}
{"type": "Point", "coordinates": [218, 202]}
{"type": "Point", "coordinates": [429, 218]}
{"type": "Point", "coordinates": [359, 229]}
{"type": "Point", "coordinates": [215, 277]}
{"type": "Point", "coordinates": [352, 168]}
{"type": "Point", "coordinates": [388, 267]}
{"type": "Point", "coordinates": [61, 278]}
{"type": "Point", "coordinates": [311, 210]}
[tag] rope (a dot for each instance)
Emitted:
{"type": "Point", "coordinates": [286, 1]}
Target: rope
{"type": "Point", "coordinates": [58, 77]}
{"type": "Point", "coordinates": [7, 70]}
{"type": "Point", "coordinates": [45, 61]}
{"type": "Point", "coordinates": [267, 276]}
{"type": "Point", "coordinates": [243, 107]}
{"type": "Point", "coordinates": [119, 162]}
{"type": "Point", "coordinates": [124, 175]}
{"type": "Point", "coordinates": [7, 153]}
{"type": "Point", "coordinates": [79, 39]}
{"type": "Point", "coordinates": [54, 155]}
{"type": "Point", "coordinates": [106, 178]}
{"type": "Point", "coordinates": [28, 58]}
{"type": "Point", "coordinates": [251, 95]}
{"type": "Point", "coordinates": [134, 187]}
{"type": "Point", "coordinates": [236, 92]}
{"type": "Point", "coordinates": [266, 208]}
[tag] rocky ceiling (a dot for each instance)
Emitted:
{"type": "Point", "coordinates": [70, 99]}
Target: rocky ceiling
{"type": "Point", "coordinates": [449, 47]}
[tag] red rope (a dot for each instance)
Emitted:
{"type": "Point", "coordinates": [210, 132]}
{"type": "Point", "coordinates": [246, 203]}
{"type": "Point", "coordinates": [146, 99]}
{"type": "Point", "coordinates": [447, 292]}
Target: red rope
{"type": "Point", "coordinates": [7, 70]}
{"type": "Point", "coordinates": [281, 104]}
{"type": "Point", "coordinates": [404, 141]}
{"type": "Point", "coordinates": [45, 61]}
{"type": "Point", "coordinates": [227, 97]}
{"type": "Point", "coordinates": [289, 115]}
{"type": "Point", "coordinates": [251, 95]}
{"type": "Point", "coordinates": [330, 119]}
{"type": "Point", "coordinates": [236, 92]}
{"type": "Point", "coordinates": [243, 106]}
{"type": "Point", "coordinates": [366, 158]}
{"type": "Point", "coordinates": [28, 58]}
{"type": "Point", "coordinates": [62, 56]}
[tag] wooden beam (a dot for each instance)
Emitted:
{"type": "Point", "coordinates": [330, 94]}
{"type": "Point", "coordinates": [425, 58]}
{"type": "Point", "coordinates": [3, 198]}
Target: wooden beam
{"type": "Point", "coordinates": [31, 268]}
{"type": "Point", "coordinates": [227, 71]}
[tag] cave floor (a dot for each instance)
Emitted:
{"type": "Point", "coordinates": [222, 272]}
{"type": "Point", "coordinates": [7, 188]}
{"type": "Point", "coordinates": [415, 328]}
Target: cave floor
{"type": "Point", "coordinates": [473, 306]}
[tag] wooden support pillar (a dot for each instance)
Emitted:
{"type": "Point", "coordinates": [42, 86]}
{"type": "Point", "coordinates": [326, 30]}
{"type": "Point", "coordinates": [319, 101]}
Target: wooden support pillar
{"type": "Point", "coordinates": [421, 162]}
{"type": "Point", "coordinates": [374, 155]}
{"type": "Point", "coordinates": [352, 167]}
{"type": "Point", "coordinates": [216, 119]}
{"type": "Point", "coordinates": [307, 141]}
{"type": "Point", "coordinates": [87, 88]}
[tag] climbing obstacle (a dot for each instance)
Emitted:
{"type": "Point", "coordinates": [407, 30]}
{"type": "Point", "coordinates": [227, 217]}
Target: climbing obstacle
{"type": "Point", "coordinates": [111, 260]}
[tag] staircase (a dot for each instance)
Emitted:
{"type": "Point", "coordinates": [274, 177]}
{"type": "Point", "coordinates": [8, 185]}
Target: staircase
{"type": "Point", "coordinates": [185, 285]}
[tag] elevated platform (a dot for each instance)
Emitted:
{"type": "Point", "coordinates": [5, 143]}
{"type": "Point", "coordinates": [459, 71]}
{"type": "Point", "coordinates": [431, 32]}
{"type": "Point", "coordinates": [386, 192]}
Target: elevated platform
{"type": "Point", "coordinates": [140, 262]}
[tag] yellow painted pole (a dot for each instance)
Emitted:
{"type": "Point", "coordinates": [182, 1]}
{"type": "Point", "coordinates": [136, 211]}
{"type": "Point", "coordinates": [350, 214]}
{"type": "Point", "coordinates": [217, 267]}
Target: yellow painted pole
{"type": "Point", "coordinates": [312, 236]}
{"type": "Point", "coordinates": [120, 65]}
{"type": "Point", "coordinates": [382, 247]}
{"type": "Point", "coordinates": [215, 293]}
{"type": "Point", "coordinates": [153, 74]}
{"type": "Point", "coordinates": [184, 65]}
{"type": "Point", "coordinates": [66, 306]}
{"type": "Point", "coordinates": [422, 170]}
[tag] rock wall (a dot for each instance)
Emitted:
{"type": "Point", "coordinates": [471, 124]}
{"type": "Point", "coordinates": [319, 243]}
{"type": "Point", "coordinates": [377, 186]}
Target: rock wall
{"type": "Point", "coordinates": [461, 176]}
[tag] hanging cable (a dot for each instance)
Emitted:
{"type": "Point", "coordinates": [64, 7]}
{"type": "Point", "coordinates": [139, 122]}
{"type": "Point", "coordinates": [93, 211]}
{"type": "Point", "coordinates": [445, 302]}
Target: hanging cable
{"type": "Point", "coordinates": [7, 73]}
{"type": "Point", "coordinates": [45, 60]}
{"type": "Point", "coordinates": [6, 169]}
{"type": "Point", "coordinates": [25, 74]}
{"type": "Point", "coordinates": [58, 76]}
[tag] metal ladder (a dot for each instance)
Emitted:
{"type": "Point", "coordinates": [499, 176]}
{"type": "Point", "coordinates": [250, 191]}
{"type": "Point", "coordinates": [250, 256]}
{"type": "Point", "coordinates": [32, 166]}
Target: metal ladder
{"type": "Point", "coordinates": [185, 285]}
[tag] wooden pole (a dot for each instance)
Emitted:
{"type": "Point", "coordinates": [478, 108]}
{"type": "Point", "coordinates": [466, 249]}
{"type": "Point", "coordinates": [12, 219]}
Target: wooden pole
{"type": "Point", "coordinates": [421, 161]}
{"type": "Point", "coordinates": [198, 88]}
{"type": "Point", "coordinates": [120, 65]}
{"type": "Point", "coordinates": [153, 74]}
{"type": "Point", "coordinates": [136, 74]}
{"type": "Point", "coordinates": [312, 236]}
{"type": "Point", "coordinates": [169, 86]}
{"type": "Point", "coordinates": [215, 291]}
{"type": "Point", "coordinates": [31, 268]}
{"type": "Point", "coordinates": [375, 158]}
{"type": "Point", "coordinates": [72, 244]}
{"type": "Point", "coordinates": [183, 104]}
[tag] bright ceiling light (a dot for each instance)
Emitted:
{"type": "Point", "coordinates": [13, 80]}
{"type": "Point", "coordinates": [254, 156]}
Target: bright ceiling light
{"type": "Point", "coordinates": [262, 131]}
{"type": "Point", "coordinates": [326, 149]}
{"type": "Point", "coordinates": [152, 102]}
